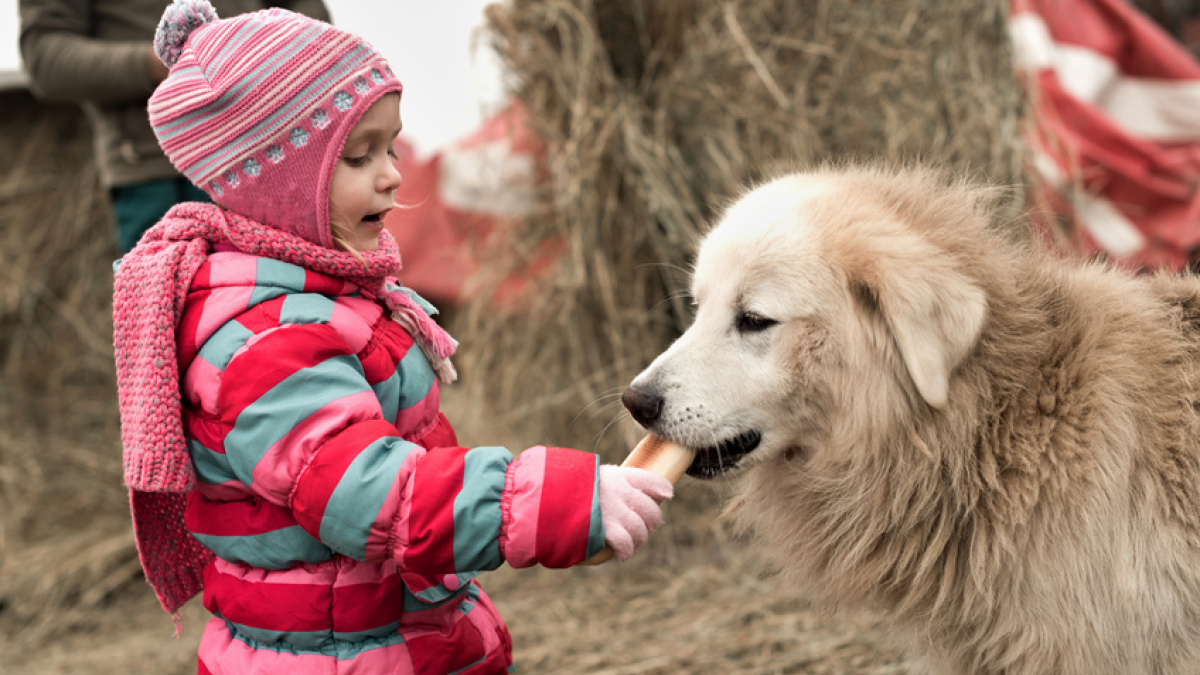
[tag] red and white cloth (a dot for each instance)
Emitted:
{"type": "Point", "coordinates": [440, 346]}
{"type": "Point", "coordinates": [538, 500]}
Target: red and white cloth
{"type": "Point", "coordinates": [1115, 133]}
{"type": "Point", "coordinates": [462, 203]}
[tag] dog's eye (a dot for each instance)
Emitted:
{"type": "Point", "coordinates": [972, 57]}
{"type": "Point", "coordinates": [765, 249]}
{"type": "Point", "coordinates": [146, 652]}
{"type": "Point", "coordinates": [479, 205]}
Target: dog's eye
{"type": "Point", "coordinates": [748, 322]}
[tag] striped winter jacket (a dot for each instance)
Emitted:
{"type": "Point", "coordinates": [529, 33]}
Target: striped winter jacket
{"type": "Point", "coordinates": [347, 522]}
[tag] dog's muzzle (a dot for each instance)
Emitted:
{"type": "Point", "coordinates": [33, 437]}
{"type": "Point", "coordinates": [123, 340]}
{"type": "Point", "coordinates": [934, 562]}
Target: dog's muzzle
{"type": "Point", "coordinates": [645, 406]}
{"type": "Point", "coordinates": [713, 461]}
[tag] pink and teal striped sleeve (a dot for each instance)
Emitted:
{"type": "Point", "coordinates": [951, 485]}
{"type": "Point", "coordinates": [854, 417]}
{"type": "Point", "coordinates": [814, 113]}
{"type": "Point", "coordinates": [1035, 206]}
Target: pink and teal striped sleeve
{"type": "Point", "coordinates": [306, 431]}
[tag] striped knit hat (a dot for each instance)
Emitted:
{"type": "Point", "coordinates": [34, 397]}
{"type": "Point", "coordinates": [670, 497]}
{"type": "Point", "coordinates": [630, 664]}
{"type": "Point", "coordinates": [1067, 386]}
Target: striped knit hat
{"type": "Point", "coordinates": [257, 107]}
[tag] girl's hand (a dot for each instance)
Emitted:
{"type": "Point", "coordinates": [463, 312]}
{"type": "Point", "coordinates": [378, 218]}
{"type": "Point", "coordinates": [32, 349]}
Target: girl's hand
{"type": "Point", "coordinates": [629, 506]}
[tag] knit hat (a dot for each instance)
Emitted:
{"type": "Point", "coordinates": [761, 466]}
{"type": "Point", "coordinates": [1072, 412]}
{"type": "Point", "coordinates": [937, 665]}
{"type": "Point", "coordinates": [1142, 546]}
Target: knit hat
{"type": "Point", "coordinates": [257, 107]}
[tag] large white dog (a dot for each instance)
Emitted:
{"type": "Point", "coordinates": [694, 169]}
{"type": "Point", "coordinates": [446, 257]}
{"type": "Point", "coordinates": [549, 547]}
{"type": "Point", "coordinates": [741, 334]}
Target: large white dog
{"type": "Point", "coordinates": [998, 449]}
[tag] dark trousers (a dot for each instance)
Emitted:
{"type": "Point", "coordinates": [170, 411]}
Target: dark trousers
{"type": "Point", "coordinates": [137, 207]}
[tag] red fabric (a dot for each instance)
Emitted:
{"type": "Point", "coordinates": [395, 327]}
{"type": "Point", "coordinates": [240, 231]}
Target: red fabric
{"type": "Point", "coordinates": [273, 605]}
{"type": "Point", "coordinates": [444, 244]}
{"type": "Point", "coordinates": [438, 480]}
{"type": "Point", "coordinates": [441, 435]}
{"type": "Point", "coordinates": [362, 607]}
{"type": "Point", "coordinates": [1148, 180]}
{"type": "Point", "coordinates": [562, 536]}
{"type": "Point", "coordinates": [379, 360]}
{"type": "Point", "coordinates": [325, 472]}
{"type": "Point", "coordinates": [322, 342]}
{"type": "Point", "coordinates": [262, 317]}
{"type": "Point", "coordinates": [189, 320]}
{"type": "Point", "coordinates": [207, 431]}
{"type": "Point", "coordinates": [277, 606]}
{"type": "Point", "coordinates": [436, 654]}
{"type": "Point", "coordinates": [315, 282]}
{"type": "Point", "coordinates": [236, 518]}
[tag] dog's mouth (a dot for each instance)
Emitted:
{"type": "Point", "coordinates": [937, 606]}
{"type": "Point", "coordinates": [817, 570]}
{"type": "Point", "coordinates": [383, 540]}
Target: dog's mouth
{"type": "Point", "coordinates": [713, 461]}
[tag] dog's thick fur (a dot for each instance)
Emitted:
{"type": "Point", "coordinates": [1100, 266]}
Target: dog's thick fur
{"type": "Point", "coordinates": [998, 449]}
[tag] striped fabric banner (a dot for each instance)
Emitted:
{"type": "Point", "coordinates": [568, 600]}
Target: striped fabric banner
{"type": "Point", "coordinates": [1114, 132]}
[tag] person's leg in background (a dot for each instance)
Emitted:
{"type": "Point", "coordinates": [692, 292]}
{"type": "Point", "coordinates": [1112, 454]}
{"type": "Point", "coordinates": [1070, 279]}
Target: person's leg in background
{"type": "Point", "coordinates": [137, 207]}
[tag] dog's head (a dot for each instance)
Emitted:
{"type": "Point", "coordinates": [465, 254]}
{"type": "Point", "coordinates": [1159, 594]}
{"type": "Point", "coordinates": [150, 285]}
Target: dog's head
{"type": "Point", "coordinates": [825, 301]}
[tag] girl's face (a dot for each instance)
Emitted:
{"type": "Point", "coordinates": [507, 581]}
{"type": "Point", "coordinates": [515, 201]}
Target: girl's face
{"type": "Point", "coordinates": [365, 179]}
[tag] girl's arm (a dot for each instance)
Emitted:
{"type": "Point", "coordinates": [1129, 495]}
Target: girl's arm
{"type": "Point", "coordinates": [305, 431]}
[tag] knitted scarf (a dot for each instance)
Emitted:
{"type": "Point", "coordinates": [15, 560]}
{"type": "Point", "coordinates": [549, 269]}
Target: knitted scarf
{"type": "Point", "coordinates": [150, 288]}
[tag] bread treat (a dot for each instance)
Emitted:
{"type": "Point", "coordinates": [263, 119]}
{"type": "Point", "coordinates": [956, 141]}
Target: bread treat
{"type": "Point", "coordinates": [667, 459]}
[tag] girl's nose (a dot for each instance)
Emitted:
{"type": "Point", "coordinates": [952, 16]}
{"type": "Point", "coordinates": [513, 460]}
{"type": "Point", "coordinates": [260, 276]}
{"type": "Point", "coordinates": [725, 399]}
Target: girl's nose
{"type": "Point", "coordinates": [390, 179]}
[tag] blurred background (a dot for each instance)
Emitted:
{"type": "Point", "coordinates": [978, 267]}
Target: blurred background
{"type": "Point", "coordinates": [563, 157]}
{"type": "Point", "coordinates": [449, 85]}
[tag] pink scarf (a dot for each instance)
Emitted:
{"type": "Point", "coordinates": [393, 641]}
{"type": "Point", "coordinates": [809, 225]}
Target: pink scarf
{"type": "Point", "coordinates": [151, 286]}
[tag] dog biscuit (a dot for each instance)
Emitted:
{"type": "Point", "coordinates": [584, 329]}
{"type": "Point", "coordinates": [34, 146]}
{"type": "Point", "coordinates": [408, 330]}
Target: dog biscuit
{"type": "Point", "coordinates": [653, 453]}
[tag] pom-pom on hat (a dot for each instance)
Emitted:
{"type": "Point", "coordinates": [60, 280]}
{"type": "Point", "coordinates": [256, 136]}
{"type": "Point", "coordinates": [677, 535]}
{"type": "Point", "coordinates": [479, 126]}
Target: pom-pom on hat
{"type": "Point", "coordinates": [178, 22]}
{"type": "Point", "coordinates": [257, 107]}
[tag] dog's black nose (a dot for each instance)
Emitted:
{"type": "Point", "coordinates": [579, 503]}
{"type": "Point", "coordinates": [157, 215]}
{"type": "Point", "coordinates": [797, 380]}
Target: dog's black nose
{"type": "Point", "coordinates": [643, 405]}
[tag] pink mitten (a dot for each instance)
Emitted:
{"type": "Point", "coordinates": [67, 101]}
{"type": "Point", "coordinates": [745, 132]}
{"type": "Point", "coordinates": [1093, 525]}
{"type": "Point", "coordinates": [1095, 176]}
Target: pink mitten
{"type": "Point", "coordinates": [628, 507]}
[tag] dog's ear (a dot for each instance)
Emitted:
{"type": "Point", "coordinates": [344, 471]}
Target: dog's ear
{"type": "Point", "coordinates": [933, 312]}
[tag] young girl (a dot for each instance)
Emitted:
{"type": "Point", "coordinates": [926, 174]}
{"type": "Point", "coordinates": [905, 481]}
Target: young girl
{"type": "Point", "coordinates": [284, 447]}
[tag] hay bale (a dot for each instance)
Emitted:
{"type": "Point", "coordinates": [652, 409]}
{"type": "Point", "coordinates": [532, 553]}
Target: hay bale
{"type": "Point", "coordinates": [64, 532]}
{"type": "Point", "coordinates": [654, 115]}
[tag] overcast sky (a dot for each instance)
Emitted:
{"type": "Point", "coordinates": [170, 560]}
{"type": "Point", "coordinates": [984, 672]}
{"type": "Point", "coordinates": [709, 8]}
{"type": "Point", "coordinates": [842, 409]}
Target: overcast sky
{"type": "Point", "coordinates": [450, 78]}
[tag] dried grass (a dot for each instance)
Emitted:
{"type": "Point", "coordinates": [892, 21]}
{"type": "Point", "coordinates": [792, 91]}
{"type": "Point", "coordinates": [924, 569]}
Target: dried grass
{"type": "Point", "coordinates": [656, 114]}
{"type": "Point", "coordinates": [65, 545]}
{"type": "Point", "coordinates": [698, 616]}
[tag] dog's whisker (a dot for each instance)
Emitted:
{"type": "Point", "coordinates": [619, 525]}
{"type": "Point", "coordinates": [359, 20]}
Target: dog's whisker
{"type": "Point", "coordinates": [670, 297]}
{"type": "Point", "coordinates": [666, 265]}
{"type": "Point", "coordinates": [616, 419]}
{"type": "Point", "coordinates": [600, 401]}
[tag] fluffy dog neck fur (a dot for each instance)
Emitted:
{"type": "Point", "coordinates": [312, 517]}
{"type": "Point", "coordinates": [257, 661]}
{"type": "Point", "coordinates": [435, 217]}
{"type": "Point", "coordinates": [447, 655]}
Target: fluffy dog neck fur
{"type": "Point", "coordinates": [981, 523]}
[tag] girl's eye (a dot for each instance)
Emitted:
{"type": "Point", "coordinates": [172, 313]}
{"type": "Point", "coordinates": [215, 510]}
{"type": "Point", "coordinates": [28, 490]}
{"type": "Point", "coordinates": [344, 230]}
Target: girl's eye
{"type": "Point", "coordinates": [357, 161]}
{"type": "Point", "coordinates": [392, 152]}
